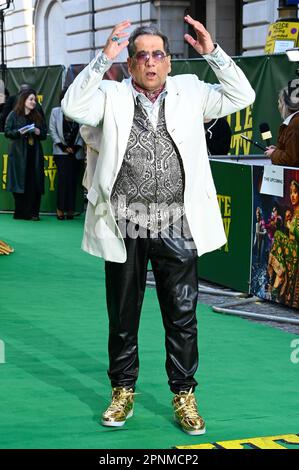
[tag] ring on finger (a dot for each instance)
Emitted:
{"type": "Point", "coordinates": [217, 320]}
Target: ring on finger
{"type": "Point", "coordinates": [115, 38]}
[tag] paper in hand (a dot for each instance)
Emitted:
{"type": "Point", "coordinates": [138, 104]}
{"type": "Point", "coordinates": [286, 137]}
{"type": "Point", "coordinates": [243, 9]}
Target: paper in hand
{"type": "Point", "coordinates": [28, 128]}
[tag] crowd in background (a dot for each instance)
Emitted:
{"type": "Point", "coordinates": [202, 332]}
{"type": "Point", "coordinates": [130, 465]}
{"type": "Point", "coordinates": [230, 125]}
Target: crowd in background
{"type": "Point", "coordinates": [23, 122]}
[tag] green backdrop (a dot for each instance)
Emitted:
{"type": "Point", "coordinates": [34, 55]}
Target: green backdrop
{"type": "Point", "coordinates": [231, 265]}
{"type": "Point", "coordinates": [47, 81]}
{"type": "Point", "coordinates": [267, 75]}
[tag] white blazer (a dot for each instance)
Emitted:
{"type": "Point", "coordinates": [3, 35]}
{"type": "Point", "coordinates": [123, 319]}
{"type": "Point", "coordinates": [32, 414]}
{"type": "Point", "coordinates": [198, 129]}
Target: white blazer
{"type": "Point", "coordinates": [110, 105]}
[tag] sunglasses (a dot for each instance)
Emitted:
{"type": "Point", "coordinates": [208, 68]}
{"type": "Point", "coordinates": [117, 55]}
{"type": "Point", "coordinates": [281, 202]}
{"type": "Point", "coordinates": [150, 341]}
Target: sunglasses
{"type": "Point", "coordinates": [142, 57]}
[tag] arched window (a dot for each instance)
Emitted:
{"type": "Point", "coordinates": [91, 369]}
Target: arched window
{"type": "Point", "coordinates": [50, 36]}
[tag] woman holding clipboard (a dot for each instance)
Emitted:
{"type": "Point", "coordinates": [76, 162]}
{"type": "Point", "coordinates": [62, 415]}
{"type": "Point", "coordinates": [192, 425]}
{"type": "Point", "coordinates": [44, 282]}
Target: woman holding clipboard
{"type": "Point", "coordinates": [25, 127]}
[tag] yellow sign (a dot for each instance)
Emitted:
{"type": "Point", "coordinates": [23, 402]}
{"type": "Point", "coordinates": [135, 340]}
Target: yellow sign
{"type": "Point", "coordinates": [4, 170]}
{"type": "Point", "coordinates": [281, 36]}
{"type": "Point", "coordinates": [225, 208]}
{"type": "Point", "coordinates": [270, 442]}
{"type": "Point", "coordinates": [241, 123]}
{"type": "Point", "coordinates": [51, 171]}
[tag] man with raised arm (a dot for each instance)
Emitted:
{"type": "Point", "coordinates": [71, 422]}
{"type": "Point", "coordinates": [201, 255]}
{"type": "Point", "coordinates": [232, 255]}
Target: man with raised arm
{"type": "Point", "coordinates": [153, 198]}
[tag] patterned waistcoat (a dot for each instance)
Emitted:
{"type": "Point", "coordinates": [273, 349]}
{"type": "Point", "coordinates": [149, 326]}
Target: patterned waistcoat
{"type": "Point", "coordinates": [149, 189]}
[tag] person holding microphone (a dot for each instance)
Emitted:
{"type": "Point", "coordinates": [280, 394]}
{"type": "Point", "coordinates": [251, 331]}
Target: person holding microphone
{"type": "Point", "coordinates": [286, 152]}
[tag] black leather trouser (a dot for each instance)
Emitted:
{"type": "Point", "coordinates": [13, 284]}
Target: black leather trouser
{"type": "Point", "coordinates": [174, 265]}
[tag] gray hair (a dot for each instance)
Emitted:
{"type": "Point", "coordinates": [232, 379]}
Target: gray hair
{"type": "Point", "coordinates": [151, 30]}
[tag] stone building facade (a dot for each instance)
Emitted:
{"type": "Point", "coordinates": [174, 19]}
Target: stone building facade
{"type": "Point", "coordinates": [49, 32]}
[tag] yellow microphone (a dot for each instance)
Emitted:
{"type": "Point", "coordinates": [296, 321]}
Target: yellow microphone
{"type": "Point", "coordinates": [266, 133]}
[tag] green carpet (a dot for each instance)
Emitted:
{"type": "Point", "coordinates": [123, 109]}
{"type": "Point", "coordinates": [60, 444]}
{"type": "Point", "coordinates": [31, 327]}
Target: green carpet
{"type": "Point", "coordinates": [53, 383]}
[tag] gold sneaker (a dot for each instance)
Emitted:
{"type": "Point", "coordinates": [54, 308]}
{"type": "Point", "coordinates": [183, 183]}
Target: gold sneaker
{"type": "Point", "coordinates": [121, 407]}
{"type": "Point", "coordinates": [186, 413]}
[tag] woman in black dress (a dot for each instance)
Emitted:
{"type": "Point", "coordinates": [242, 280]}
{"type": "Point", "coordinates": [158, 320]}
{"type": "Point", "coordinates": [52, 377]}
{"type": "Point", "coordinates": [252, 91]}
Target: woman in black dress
{"type": "Point", "coordinates": [25, 127]}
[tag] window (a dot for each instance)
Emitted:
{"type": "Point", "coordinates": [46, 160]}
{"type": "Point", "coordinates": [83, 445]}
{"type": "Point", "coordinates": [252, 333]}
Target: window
{"type": "Point", "coordinates": [50, 37]}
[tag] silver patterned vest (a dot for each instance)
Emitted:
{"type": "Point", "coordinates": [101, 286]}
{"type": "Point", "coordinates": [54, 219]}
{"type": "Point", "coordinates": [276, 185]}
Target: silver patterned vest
{"type": "Point", "coordinates": [149, 189]}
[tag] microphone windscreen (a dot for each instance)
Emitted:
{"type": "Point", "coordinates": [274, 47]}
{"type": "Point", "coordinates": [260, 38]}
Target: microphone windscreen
{"type": "Point", "coordinates": [265, 131]}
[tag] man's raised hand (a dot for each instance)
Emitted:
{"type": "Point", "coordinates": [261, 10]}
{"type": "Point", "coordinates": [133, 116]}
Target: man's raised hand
{"type": "Point", "coordinates": [116, 42]}
{"type": "Point", "coordinates": [203, 43]}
